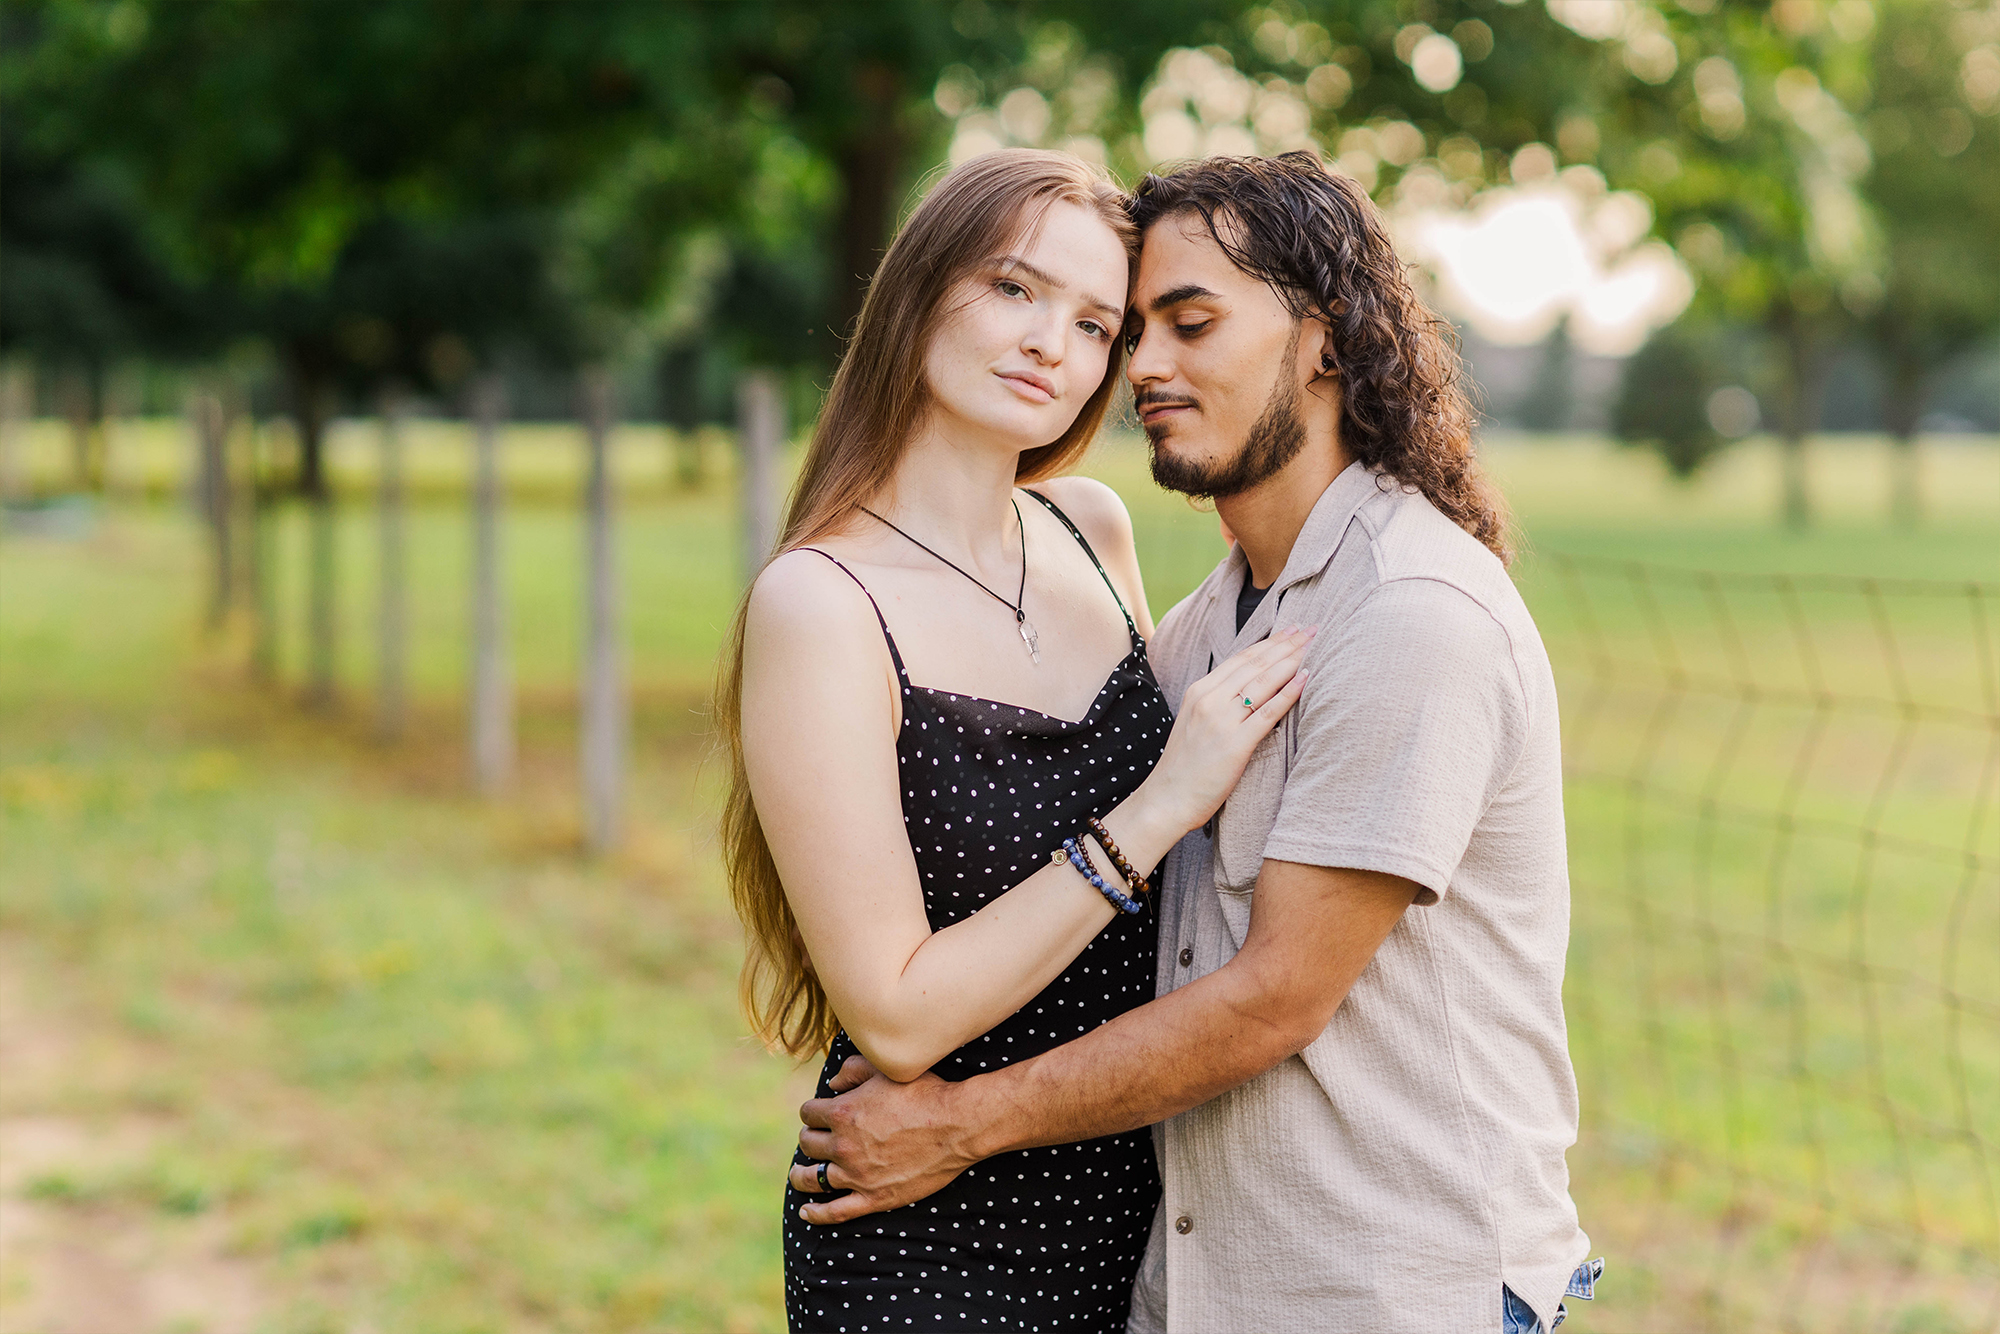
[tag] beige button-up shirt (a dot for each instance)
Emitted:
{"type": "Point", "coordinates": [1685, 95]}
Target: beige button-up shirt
{"type": "Point", "coordinates": [1410, 1160]}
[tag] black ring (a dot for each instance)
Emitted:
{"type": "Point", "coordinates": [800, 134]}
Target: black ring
{"type": "Point", "coordinates": [824, 1184]}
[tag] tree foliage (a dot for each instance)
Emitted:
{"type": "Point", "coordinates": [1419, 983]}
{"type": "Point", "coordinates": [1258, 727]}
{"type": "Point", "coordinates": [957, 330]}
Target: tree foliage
{"type": "Point", "coordinates": [1825, 169]}
{"type": "Point", "coordinates": [1663, 398]}
{"type": "Point", "coordinates": [407, 188]}
{"type": "Point", "coordinates": [1935, 184]}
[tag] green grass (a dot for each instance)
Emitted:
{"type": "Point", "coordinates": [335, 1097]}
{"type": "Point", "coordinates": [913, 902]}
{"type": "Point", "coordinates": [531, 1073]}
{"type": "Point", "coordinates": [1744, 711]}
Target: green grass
{"type": "Point", "coordinates": [433, 1072]}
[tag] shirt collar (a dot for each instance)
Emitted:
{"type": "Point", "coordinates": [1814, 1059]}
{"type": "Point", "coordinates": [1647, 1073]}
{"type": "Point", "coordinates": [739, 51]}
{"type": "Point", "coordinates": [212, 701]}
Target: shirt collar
{"type": "Point", "coordinates": [1314, 548]}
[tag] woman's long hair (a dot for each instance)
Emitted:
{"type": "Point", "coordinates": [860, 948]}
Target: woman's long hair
{"type": "Point", "coordinates": [1315, 237]}
{"type": "Point", "coordinates": [874, 409]}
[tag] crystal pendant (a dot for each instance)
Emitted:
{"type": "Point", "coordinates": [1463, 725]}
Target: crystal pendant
{"type": "Point", "coordinates": [1032, 639]}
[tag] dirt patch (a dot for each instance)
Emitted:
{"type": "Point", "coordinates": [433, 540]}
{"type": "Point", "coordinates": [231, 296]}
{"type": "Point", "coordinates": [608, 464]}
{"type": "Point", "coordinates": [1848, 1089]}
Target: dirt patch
{"type": "Point", "coordinates": [75, 1258]}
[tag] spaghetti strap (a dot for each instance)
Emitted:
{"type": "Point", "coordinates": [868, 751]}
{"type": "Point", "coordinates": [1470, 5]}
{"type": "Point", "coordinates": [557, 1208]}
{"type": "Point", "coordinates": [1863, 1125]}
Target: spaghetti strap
{"type": "Point", "coordinates": [895, 655]}
{"type": "Point", "coordinates": [1050, 505]}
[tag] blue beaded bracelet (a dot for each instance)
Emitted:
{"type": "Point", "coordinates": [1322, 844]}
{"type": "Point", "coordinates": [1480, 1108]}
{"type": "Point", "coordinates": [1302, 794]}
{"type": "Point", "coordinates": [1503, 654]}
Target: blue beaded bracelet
{"type": "Point", "coordinates": [1081, 861]}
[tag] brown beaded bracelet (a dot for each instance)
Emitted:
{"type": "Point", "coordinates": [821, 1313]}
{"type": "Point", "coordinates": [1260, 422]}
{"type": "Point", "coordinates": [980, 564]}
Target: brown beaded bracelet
{"type": "Point", "coordinates": [1103, 835]}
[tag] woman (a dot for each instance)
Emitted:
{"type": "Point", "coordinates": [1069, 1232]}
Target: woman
{"type": "Point", "coordinates": [929, 876]}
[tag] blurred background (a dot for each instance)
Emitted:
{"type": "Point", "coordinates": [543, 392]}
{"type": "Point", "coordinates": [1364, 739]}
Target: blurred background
{"type": "Point", "coordinates": [396, 394]}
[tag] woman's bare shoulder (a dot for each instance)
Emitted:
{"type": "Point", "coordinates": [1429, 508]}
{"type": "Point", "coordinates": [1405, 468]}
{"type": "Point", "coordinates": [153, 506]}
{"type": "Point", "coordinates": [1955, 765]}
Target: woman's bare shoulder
{"type": "Point", "coordinates": [802, 597]}
{"type": "Point", "coordinates": [1093, 507]}
{"type": "Point", "coordinates": [1099, 514]}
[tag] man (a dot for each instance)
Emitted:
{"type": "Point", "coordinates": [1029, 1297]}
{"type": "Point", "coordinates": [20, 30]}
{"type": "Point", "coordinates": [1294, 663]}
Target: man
{"type": "Point", "coordinates": [1357, 1063]}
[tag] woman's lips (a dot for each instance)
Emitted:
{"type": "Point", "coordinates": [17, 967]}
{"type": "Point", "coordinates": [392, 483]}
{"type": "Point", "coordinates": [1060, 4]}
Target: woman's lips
{"type": "Point", "coordinates": [1030, 386]}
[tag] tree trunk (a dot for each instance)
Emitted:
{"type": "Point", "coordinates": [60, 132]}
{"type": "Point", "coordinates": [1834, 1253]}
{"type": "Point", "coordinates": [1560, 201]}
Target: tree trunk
{"type": "Point", "coordinates": [392, 604]}
{"type": "Point", "coordinates": [690, 459]}
{"type": "Point", "coordinates": [1903, 407]}
{"type": "Point", "coordinates": [679, 380]}
{"type": "Point", "coordinates": [492, 687]}
{"type": "Point", "coordinates": [1550, 404]}
{"type": "Point", "coordinates": [760, 430]}
{"type": "Point", "coordinates": [17, 404]}
{"type": "Point", "coordinates": [119, 464]}
{"type": "Point", "coordinates": [1795, 482]}
{"type": "Point", "coordinates": [311, 396]}
{"type": "Point", "coordinates": [1799, 407]}
{"type": "Point", "coordinates": [604, 711]}
{"type": "Point", "coordinates": [213, 499]}
{"type": "Point", "coordinates": [82, 406]}
{"type": "Point", "coordinates": [870, 163]}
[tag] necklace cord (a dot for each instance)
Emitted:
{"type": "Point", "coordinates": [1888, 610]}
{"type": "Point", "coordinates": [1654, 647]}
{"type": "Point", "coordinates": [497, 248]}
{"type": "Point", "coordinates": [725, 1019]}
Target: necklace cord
{"type": "Point", "coordinates": [1018, 605]}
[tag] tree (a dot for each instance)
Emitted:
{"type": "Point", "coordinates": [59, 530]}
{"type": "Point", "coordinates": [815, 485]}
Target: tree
{"type": "Point", "coordinates": [384, 189]}
{"type": "Point", "coordinates": [1751, 151]}
{"type": "Point", "coordinates": [1551, 399]}
{"type": "Point", "coordinates": [88, 284]}
{"type": "Point", "coordinates": [1935, 184]}
{"type": "Point", "coordinates": [1663, 400]}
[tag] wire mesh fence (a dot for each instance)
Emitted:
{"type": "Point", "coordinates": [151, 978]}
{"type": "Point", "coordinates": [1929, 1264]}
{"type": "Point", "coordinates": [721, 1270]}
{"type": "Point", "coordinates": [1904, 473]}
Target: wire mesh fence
{"type": "Point", "coordinates": [1784, 988]}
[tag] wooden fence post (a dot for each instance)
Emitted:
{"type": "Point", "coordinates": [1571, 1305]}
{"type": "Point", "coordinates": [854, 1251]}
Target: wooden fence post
{"type": "Point", "coordinates": [392, 600]}
{"type": "Point", "coordinates": [604, 709]}
{"type": "Point", "coordinates": [262, 560]}
{"type": "Point", "coordinates": [214, 500]}
{"type": "Point", "coordinates": [322, 613]}
{"type": "Point", "coordinates": [760, 431]}
{"type": "Point", "coordinates": [492, 688]}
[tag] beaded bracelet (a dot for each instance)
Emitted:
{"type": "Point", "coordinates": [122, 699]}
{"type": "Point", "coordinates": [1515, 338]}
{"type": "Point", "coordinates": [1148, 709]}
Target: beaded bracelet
{"type": "Point", "coordinates": [1077, 857]}
{"type": "Point", "coordinates": [1132, 877]}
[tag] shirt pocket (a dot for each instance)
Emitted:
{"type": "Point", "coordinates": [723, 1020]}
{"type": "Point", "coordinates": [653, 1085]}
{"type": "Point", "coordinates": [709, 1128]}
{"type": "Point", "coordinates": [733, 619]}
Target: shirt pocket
{"type": "Point", "coordinates": [1243, 825]}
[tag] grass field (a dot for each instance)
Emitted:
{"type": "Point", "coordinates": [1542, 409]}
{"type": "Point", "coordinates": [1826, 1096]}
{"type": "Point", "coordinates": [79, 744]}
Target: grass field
{"type": "Point", "coordinates": [300, 1037]}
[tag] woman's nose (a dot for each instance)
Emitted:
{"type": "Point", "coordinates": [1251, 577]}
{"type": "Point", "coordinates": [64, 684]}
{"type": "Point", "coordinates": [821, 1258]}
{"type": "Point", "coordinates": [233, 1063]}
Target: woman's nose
{"type": "Point", "coordinates": [1043, 339]}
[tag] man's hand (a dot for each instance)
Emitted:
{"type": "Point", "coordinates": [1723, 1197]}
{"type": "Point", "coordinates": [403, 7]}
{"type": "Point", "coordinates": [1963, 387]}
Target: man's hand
{"type": "Point", "coordinates": [1313, 930]}
{"type": "Point", "coordinates": [887, 1144]}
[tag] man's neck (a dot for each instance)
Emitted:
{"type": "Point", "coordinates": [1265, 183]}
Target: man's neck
{"type": "Point", "coordinates": [1268, 517]}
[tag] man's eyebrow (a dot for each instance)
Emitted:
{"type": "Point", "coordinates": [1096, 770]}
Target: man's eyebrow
{"type": "Point", "coordinates": [1048, 279]}
{"type": "Point", "coordinates": [1174, 296]}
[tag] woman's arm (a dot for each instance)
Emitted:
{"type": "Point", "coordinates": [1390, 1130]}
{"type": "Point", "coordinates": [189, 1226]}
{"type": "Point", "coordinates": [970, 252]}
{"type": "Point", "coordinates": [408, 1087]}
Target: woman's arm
{"type": "Point", "coordinates": [819, 731]}
{"type": "Point", "coordinates": [819, 722]}
{"type": "Point", "coordinates": [1101, 517]}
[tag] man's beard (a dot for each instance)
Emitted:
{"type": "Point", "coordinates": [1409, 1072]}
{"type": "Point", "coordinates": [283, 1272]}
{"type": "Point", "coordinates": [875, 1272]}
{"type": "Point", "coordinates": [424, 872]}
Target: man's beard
{"type": "Point", "coordinates": [1275, 439]}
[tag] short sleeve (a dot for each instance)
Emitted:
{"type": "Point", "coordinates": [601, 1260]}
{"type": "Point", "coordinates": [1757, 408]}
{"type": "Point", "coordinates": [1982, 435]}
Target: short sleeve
{"type": "Point", "coordinates": [1409, 726]}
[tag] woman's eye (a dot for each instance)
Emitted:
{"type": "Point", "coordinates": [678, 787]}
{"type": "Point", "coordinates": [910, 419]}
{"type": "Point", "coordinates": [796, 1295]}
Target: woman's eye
{"type": "Point", "coordinates": [1007, 288]}
{"type": "Point", "coordinates": [1094, 329]}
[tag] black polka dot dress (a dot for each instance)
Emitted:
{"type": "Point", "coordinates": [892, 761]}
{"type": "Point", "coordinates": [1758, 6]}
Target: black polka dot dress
{"type": "Point", "coordinates": [1041, 1239]}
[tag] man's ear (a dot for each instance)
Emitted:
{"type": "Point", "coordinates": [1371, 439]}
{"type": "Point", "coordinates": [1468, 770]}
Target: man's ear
{"type": "Point", "coordinates": [1329, 358]}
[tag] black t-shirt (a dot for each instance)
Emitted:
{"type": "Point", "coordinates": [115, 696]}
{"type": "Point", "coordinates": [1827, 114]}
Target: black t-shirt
{"type": "Point", "coordinates": [1248, 599]}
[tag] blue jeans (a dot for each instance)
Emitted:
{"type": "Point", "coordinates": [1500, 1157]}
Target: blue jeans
{"type": "Point", "coordinates": [1517, 1317]}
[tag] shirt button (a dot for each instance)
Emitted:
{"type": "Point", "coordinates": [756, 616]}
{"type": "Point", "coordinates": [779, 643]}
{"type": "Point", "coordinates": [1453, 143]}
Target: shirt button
{"type": "Point", "coordinates": [1183, 1225]}
{"type": "Point", "coordinates": [1187, 960]}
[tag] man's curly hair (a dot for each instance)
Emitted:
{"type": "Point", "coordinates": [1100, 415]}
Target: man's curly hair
{"type": "Point", "coordinates": [1322, 245]}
